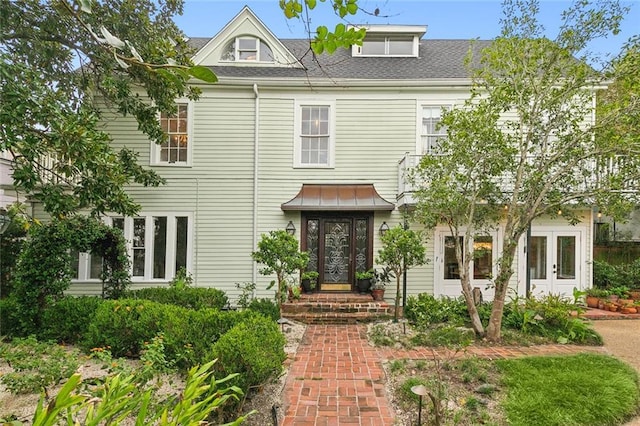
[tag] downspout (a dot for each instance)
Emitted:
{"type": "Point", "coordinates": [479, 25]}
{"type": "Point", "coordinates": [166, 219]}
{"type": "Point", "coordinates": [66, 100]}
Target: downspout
{"type": "Point", "coordinates": [256, 150]}
{"type": "Point", "coordinates": [527, 273]}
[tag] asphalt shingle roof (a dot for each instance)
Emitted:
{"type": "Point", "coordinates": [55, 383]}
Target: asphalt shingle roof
{"type": "Point", "coordinates": [438, 59]}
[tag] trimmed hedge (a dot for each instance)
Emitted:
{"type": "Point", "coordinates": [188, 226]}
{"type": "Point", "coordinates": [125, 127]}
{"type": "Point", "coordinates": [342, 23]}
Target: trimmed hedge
{"type": "Point", "coordinates": [124, 325]}
{"type": "Point", "coordinates": [66, 320]}
{"type": "Point", "coordinates": [254, 348]}
{"type": "Point", "coordinates": [188, 297]}
{"type": "Point", "coordinates": [266, 307]}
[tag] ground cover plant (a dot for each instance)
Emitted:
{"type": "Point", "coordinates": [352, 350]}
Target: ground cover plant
{"type": "Point", "coordinates": [581, 390]}
{"type": "Point", "coordinates": [549, 318]}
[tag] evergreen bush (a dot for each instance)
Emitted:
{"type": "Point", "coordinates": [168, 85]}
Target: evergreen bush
{"type": "Point", "coordinates": [254, 349]}
{"type": "Point", "coordinates": [67, 319]}
{"type": "Point", "coordinates": [187, 297]}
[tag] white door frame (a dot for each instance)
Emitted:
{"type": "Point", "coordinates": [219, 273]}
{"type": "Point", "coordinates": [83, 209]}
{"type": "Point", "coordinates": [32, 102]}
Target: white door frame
{"type": "Point", "coordinates": [453, 287]}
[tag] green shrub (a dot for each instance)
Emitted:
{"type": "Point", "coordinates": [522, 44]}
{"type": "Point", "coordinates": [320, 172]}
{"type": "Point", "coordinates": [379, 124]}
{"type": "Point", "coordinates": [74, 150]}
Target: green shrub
{"type": "Point", "coordinates": [125, 325]}
{"type": "Point", "coordinates": [187, 297]}
{"type": "Point", "coordinates": [265, 307]}
{"type": "Point", "coordinates": [405, 389]}
{"type": "Point", "coordinates": [425, 310]}
{"type": "Point", "coordinates": [9, 317]}
{"type": "Point", "coordinates": [549, 316]}
{"type": "Point", "coordinates": [67, 319]}
{"type": "Point", "coordinates": [254, 349]}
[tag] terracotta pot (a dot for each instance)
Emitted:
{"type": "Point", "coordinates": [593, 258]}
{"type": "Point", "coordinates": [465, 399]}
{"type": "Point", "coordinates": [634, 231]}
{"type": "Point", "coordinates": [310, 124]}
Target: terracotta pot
{"type": "Point", "coordinates": [592, 301]}
{"type": "Point", "coordinates": [601, 304]}
{"type": "Point", "coordinates": [634, 294]}
{"type": "Point", "coordinates": [378, 294]}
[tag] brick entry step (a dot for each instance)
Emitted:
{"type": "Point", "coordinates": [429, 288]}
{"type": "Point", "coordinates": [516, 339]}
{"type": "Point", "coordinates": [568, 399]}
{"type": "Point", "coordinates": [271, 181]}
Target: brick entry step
{"type": "Point", "coordinates": [336, 308]}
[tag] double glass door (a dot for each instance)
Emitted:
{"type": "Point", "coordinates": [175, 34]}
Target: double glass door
{"type": "Point", "coordinates": [554, 262]}
{"type": "Point", "coordinates": [338, 246]}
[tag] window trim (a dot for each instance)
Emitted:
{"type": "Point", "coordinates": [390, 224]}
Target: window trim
{"type": "Point", "coordinates": [357, 50]}
{"type": "Point", "coordinates": [420, 149]}
{"type": "Point", "coordinates": [171, 246]}
{"type": "Point", "coordinates": [297, 137]}
{"type": "Point", "coordinates": [156, 148]}
{"type": "Point", "coordinates": [258, 49]}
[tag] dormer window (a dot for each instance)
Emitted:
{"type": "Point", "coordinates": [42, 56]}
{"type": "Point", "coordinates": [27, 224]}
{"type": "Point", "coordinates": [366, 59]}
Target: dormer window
{"type": "Point", "coordinates": [388, 46]}
{"type": "Point", "coordinates": [247, 48]}
{"type": "Point", "coordinates": [390, 41]}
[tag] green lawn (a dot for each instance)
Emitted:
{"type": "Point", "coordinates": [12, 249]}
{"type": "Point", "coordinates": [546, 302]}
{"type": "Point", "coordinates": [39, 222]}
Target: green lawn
{"type": "Point", "coordinates": [583, 389]}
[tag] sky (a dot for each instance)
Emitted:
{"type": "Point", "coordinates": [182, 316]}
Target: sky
{"type": "Point", "coordinates": [445, 19]}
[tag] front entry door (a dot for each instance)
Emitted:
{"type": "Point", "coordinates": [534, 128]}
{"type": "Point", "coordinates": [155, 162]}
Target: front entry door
{"type": "Point", "coordinates": [554, 262]}
{"type": "Point", "coordinates": [338, 246]}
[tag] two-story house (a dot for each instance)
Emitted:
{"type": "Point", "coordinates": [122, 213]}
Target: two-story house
{"type": "Point", "coordinates": [320, 146]}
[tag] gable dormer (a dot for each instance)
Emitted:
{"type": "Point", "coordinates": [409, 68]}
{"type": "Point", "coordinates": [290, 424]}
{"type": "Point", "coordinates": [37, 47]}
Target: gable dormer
{"type": "Point", "coordinates": [390, 41]}
{"type": "Point", "coordinates": [245, 41]}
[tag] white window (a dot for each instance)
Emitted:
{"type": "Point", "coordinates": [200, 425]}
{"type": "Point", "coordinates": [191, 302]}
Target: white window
{"type": "Point", "coordinates": [395, 45]}
{"type": "Point", "coordinates": [430, 131]}
{"type": "Point", "coordinates": [247, 48]}
{"type": "Point", "coordinates": [178, 127]}
{"type": "Point", "coordinates": [314, 145]}
{"type": "Point", "coordinates": [158, 246]}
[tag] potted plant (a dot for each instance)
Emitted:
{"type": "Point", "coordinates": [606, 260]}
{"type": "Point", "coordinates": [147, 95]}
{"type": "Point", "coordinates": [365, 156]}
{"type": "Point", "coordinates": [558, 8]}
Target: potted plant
{"type": "Point", "coordinates": [309, 280]}
{"type": "Point", "coordinates": [364, 281]}
{"type": "Point", "coordinates": [594, 294]}
{"type": "Point", "coordinates": [380, 281]}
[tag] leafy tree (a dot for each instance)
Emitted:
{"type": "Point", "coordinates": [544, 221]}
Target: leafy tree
{"type": "Point", "coordinates": [278, 252]}
{"type": "Point", "coordinates": [401, 250]}
{"type": "Point", "coordinates": [59, 56]}
{"type": "Point", "coordinates": [522, 146]}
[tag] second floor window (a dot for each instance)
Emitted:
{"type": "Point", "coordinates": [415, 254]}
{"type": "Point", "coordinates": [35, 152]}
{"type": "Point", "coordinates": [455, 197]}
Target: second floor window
{"type": "Point", "coordinates": [175, 149]}
{"type": "Point", "coordinates": [314, 147]}
{"type": "Point", "coordinates": [431, 132]}
{"type": "Point", "coordinates": [247, 49]}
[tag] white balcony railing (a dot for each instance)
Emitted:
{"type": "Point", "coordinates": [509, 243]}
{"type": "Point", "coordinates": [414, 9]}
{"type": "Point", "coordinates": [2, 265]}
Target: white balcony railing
{"type": "Point", "coordinates": [593, 175]}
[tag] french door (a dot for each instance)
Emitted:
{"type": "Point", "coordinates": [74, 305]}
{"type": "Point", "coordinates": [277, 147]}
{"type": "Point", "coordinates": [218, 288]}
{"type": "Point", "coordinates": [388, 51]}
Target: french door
{"type": "Point", "coordinates": [555, 262]}
{"type": "Point", "coordinates": [338, 246]}
{"type": "Point", "coordinates": [482, 266]}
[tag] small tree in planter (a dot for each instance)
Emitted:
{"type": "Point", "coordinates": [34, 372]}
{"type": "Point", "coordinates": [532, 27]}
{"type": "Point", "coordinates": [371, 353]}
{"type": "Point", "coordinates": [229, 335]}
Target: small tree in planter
{"type": "Point", "coordinates": [401, 250]}
{"type": "Point", "coordinates": [278, 252]}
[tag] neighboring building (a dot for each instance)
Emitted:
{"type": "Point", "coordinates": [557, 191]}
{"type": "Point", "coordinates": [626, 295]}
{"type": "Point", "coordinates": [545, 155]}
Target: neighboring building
{"type": "Point", "coordinates": [322, 144]}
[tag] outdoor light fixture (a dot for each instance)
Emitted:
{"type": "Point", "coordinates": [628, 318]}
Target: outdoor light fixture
{"type": "Point", "coordinates": [291, 228]}
{"type": "Point", "coordinates": [383, 229]}
{"type": "Point", "coordinates": [421, 391]}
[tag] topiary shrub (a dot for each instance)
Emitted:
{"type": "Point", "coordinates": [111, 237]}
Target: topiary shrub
{"type": "Point", "coordinates": [125, 325]}
{"type": "Point", "coordinates": [265, 307]}
{"type": "Point", "coordinates": [66, 320]}
{"type": "Point", "coordinates": [187, 297]}
{"type": "Point", "coordinates": [254, 349]}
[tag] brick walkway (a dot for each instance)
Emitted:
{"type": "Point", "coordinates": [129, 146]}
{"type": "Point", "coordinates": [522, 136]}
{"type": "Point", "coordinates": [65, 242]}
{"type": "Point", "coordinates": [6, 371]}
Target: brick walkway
{"type": "Point", "coordinates": [336, 378]}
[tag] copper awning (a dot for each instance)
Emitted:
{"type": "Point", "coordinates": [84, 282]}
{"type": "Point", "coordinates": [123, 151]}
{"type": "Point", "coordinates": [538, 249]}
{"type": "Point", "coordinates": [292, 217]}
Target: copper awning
{"type": "Point", "coordinates": [337, 198]}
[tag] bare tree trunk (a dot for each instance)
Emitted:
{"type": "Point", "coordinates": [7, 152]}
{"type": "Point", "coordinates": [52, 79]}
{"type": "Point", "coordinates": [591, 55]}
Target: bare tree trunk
{"type": "Point", "coordinates": [505, 271]}
{"type": "Point", "coordinates": [395, 314]}
{"type": "Point", "coordinates": [467, 292]}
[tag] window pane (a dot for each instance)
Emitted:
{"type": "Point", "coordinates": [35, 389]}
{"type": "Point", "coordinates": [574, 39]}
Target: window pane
{"type": "Point", "coordinates": [313, 228]}
{"type": "Point", "coordinates": [482, 257]}
{"type": "Point", "coordinates": [95, 267]}
{"type": "Point", "coordinates": [138, 246]}
{"type": "Point", "coordinates": [538, 258]}
{"type": "Point", "coordinates": [265, 52]}
{"type": "Point", "coordinates": [181, 242]}
{"type": "Point", "coordinates": [247, 43]}
{"type": "Point", "coordinates": [75, 264]}
{"type": "Point", "coordinates": [229, 53]}
{"type": "Point", "coordinates": [118, 223]}
{"type": "Point", "coordinates": [373, 46]}
{"type": "Point", "coordinates": [159, 246]}
{"type": "Point", "coordinates": [566, 258]}
{"type": "Point", "coordinates": [401, 46]}
{"type": "Point", "coordinates": [451, 270]}
{"type": "Point", "coordinates": [176, 127]}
